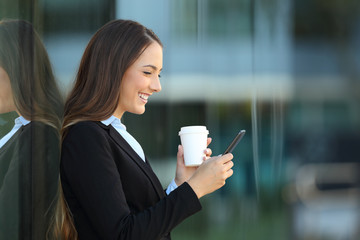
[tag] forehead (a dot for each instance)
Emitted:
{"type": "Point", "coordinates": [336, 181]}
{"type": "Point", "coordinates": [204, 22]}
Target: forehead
{"type": "Point", "coordinates": [152, 55]}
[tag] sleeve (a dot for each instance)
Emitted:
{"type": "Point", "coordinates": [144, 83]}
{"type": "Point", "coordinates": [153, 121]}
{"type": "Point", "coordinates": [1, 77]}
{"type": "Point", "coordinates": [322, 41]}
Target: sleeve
{"type": "Point", "coordinates": [172, 186]}
{"type": "Point", "coordinates": [91, 172]}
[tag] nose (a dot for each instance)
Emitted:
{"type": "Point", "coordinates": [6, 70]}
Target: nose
{"type": "Point", "coordinates": [155, 84]}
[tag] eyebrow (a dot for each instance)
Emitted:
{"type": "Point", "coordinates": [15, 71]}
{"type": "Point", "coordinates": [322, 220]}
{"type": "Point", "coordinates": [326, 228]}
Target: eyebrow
{"type": "Point", "coordinates": [152, 66]}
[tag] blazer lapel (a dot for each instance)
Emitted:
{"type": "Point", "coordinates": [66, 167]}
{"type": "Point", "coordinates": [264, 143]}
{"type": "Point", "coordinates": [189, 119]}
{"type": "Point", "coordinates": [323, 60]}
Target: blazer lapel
{"type": "Point", "coordinates": [146, 168]}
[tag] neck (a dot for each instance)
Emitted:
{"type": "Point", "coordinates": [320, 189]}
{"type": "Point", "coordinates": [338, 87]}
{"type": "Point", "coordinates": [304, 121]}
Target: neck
{"type": "Point", "coordinates": [118, 114]}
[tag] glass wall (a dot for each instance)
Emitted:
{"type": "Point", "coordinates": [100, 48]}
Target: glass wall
{"type": "Point", "coordinates": [286, 71]}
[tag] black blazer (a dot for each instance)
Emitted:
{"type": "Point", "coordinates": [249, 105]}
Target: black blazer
{"type": "Point", "coordinates": [112, 193]}
{"type": "Point", "coordinates": [29, 174]}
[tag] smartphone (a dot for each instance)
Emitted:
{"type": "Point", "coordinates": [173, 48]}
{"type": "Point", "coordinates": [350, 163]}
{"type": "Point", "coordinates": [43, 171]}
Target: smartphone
{"type": "Point", "coordinates": [235, 142]}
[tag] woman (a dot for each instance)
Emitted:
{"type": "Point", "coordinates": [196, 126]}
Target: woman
{"type": "Point", "coordinates": [110, 189]}
{"type": "Point", "coordinates": [30, 152]}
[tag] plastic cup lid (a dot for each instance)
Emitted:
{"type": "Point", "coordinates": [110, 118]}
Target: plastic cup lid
{"type": "Point", "coordinates": [193, 129]}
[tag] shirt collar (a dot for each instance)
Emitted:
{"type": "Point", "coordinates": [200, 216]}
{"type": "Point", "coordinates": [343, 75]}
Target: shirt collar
{"type": "Point", "coordinates": [21, 121]}
{"type": "Point", "coordinates": [114, 121]}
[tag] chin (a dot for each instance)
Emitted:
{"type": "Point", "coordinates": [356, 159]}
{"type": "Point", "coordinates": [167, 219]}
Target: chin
{"type": "Point", "coordinates": [139, 111]}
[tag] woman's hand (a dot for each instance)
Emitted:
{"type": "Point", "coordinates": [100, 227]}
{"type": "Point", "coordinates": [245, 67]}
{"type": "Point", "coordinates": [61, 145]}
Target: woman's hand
{"type": "Point", "coordinates": [211, 175]}
{"type": "Point", "coordinates": [184, 173]}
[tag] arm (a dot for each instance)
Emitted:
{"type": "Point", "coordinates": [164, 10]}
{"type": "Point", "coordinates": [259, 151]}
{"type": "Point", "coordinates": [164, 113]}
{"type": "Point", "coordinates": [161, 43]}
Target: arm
{"type": "Point", "coordinates": [90, 170]}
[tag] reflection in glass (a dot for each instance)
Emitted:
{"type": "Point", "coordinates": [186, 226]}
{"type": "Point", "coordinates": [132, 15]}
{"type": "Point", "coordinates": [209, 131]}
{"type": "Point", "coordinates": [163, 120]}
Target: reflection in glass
{"type": "Point", "coordinates": [29, 153]}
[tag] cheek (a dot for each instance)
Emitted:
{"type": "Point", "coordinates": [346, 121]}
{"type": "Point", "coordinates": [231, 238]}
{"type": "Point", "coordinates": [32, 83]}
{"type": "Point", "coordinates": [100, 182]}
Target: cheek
{"type": "Point", "coordinates": [6, 102]}
{"type": "Point", "coordinates": [127, 93]}
{"type": "Point", "coordinates": [136, 85]}
{"type": "Point", "coordinates": [5, 94]}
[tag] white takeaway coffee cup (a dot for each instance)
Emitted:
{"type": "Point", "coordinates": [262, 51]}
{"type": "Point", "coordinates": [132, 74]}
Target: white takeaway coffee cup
{"type": "Point", "coordinates": [194, 141]}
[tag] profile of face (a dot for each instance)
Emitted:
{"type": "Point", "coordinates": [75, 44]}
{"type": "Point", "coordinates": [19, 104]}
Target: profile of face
{"type": "Point", "coordinates": [140, 81]}
{"type": "Point", "coordinates": [6, 97]}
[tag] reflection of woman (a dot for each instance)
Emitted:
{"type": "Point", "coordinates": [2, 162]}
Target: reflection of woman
{"type": "Point", "coordinates": [108, 184]}
{"type": "Point", "coordinates": [29, 153]}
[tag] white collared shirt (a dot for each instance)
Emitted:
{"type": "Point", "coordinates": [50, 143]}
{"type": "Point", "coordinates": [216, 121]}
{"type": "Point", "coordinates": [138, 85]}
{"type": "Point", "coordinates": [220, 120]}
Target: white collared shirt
{"type": "Point", "coordinates": [19, 122]}
{"type": "Point", "coordinates": [121, 129]}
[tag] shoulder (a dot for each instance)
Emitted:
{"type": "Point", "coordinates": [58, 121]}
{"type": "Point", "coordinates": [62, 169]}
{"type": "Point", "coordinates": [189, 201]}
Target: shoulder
{"type": "Point", "coordinates": [38, 126]}
{"type": "Point", "coordinates": [85, 142]}
{"type": "Point", "coordinates": [86, 130]}
{"type": "Point", "coordinates": [39, 131]}
{"type": "Point", "coordinates": [87, 127]}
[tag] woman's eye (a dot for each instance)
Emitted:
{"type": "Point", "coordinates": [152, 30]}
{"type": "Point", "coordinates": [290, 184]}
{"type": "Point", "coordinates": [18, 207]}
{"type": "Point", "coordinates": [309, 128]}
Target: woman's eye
{"type": "Point", "coordinates": [159, 76]}
{"type": "Point", "coordinates": [147, 73]}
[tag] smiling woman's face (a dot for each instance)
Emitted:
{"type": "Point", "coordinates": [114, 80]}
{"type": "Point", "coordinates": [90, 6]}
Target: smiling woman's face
{"type": "Point", "coordinates": [6, 97]}
{"type": "Point", "coordinates": [140, 81]}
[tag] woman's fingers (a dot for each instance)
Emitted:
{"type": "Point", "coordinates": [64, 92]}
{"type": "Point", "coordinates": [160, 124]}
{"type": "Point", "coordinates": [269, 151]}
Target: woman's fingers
{"type": "Point", "coordinates": [228, 165]}
{"type": "Point", "coordinates": [229, 173]}
{"type": "Point", "coordinates": [226, 170]}
{"type": "Point", "coordinates": [212, 174]}
{"type": "Point", "coordinates": [180, 152]}
{"type": "Point", "coordinates": [226, 158]}
{"type": "Point", "coordinates": [208, 153]}
{"type": "Point", "coordinates": [208, 141]}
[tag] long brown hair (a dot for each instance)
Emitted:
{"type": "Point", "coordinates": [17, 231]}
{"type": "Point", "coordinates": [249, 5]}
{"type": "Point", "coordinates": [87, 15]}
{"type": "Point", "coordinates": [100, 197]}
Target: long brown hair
{"type": "Point", "coordinates": [35, 92]}
{"type": "Point", "coordinates": [95, 95]}
{"type": "Point", "coordinates": [25, 60]}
